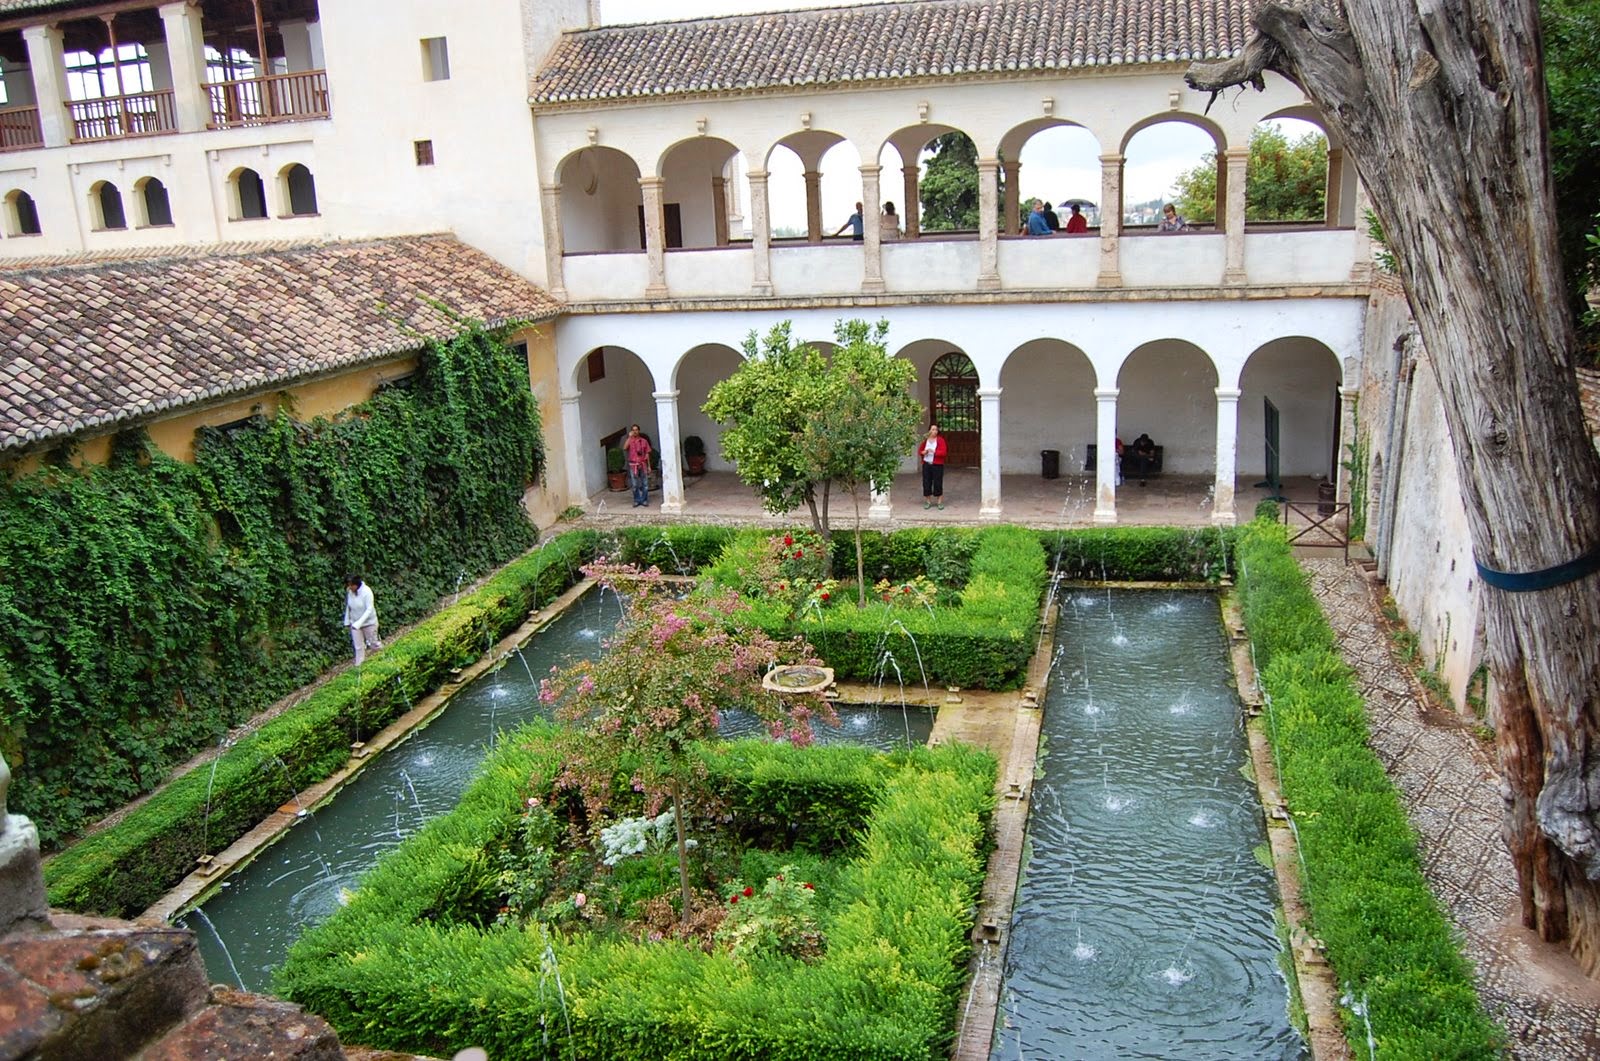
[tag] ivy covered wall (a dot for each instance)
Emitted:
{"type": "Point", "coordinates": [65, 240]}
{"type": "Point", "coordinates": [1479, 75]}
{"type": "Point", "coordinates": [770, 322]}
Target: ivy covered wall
{"type": "Point", "coordinates": [147, 605]}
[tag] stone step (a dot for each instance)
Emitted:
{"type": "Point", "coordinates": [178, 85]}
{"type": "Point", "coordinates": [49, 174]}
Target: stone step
{"type": "Point", "coordinates": [239, 1025]}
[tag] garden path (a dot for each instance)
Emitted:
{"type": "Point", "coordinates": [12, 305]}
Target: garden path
{"type": "Point", "coordinates": [1447, 781]}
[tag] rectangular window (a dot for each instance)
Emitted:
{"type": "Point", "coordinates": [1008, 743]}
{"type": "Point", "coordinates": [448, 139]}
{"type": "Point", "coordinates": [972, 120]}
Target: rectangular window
{"type": "Point", "coordinates": [435, 59]}
{"type": "Point", "coordinates": [597, 365]}
{"type": "Point", "coordinates": [424, 149]}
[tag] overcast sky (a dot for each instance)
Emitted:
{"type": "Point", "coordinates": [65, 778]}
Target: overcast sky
{"type": "Point", "coordinates": [1057, 164]}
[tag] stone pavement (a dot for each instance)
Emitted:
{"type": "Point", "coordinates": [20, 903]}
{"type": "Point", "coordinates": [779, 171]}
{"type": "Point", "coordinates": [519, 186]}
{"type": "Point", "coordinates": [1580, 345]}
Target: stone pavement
{"type": "Point", "coordinates": [1447, 781]}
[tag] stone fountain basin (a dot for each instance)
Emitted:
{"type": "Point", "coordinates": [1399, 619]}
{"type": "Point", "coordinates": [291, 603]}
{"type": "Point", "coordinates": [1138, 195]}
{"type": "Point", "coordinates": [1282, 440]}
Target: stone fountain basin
{"type": "Point", "coordinates": [797, 679]}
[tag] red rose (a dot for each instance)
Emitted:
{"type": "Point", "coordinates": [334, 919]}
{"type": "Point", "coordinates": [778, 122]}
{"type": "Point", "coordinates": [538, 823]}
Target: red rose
{"type": "Point", "coordinates": [749, 891]}
{"type": "Point", "coordinates": [824, 597]}
{"type": "Point", "coordinates": [798, 553]}
{"type": "Point", "coordinates": [807, 886]}
{"type": "Point", "coordinates": [788, 539]}
{"type": "Point", "coordinates": [733, 900]}
{"type": "Point", "coordinates": [906, 589]}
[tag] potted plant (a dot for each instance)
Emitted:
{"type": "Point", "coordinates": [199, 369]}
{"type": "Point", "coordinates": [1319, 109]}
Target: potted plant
{"type": "Point", "coordinates": [616, 469]}
{"type": "Point", "coordinates": [694, 454]}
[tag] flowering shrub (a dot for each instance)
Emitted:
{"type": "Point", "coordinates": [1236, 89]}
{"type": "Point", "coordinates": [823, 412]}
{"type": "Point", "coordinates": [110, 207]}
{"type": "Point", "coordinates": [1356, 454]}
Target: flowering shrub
{"type": "Point", "coordinates": [634, 836]}
{"type": "Point", "coordinates": [527, 868]}
{"type": "Point", "coordinates": [918, 592]}
{"type": "Point", "coordinates": [779, 920]}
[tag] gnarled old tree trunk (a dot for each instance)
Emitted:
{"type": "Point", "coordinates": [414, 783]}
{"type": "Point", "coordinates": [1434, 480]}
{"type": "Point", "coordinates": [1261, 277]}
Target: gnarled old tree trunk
{"type": "Point", "coordinates": [1441, 102]}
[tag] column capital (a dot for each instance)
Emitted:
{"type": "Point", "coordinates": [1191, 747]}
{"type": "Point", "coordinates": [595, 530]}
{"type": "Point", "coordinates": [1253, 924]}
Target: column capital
{"type": "Point", "coordinates": [174, 8]}
{"type": "Point", "coordinates": [1105, 394]}
{"type": "Point", "coordinates": [1236, 154]}
{"type": "Point", "coordinates": [870, 169]}
{"type": "Point", "coordinates": [757, 175]}
{"type": "Point", "coordinates": [551, 189]}
{"type": "Point", "coordinates": [988, 164]}
{"type": "Point", "coordinates": [664, 396]}
{"type": "Point", "coordinates": [1349, 392]}
{"type": "Point", "coordinates": [989, 393]}
{"type": "Point", "coordinates": [649, 183]}
{"type": "Point", "coordinates": [1228, 394]}
{"type": "Point", "coordinates": [41, 32]}
{"type": "Point", "coordinates": [1110, 160]}
{"type": "Point", "coordinates": [571, 399]}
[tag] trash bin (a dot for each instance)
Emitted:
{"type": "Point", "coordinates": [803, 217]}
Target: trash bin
{"type": "Point", "coordinates": [1327, 494]}
{"type": "Point", "coordinates": [1050, 463]}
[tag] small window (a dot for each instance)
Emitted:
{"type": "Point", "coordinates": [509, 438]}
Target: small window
{"type": "Point", "coordinates": [157, 208]}
{"type": "Point", "coordinates": [435, 59]}
{"type": "Point", "coordinates": [302, 189]}
{"type": "Point", "coordinates": [424, 149]}
{"type": "Point", "coordinates": [597, 365]}
{"type": "Point", "coordinates": [250, 196]}
{"type": "Point", "coordinates": [22, 214]}
{"type": "Point", "coordinates": [108, 207]}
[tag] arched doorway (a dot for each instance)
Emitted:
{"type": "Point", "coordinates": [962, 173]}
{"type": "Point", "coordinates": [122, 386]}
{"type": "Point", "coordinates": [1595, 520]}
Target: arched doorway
{"type": "Point", "coordinates": [953, 405]}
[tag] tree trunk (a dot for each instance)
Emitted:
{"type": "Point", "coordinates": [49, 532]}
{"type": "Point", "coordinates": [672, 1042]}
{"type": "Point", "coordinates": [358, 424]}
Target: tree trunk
{"type": "Point", "coordinates": [1441, 102]}
{"type": "Point", "coordinates": [861, 563]}
{"type": "Point", "coordinates": [683, 855]}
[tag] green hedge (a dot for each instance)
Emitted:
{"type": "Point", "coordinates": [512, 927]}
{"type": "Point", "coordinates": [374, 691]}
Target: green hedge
{"type": "Point", "coordinates": [1140, 554]}
{"type": "Point", "coordinates": [888, 986]}
{"type": "Point", "coordinates": [148, 605]}
{"type": "Point", "coordinates": [1387, 941]}
{"type": "Point", "coordinates": [984, 641]}
{"type": "Point", "coordinates": [681, 549]}
{"type": "Point", "coordinates": [130, 865]}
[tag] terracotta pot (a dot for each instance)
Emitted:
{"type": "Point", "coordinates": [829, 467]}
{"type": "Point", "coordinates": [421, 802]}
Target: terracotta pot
{"type": "Point", "coordinates": [617, 481]}
{"type": "Point", "coordinates": [697, 464]}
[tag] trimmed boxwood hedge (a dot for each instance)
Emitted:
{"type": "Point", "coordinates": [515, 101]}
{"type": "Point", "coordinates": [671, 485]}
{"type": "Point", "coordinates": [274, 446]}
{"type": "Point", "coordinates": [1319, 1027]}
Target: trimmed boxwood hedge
{"type": "Point", "coordinates": [888, 986]}
{"type": "Point", "coordinates": [1140, 554]}
{"type": "Point", "coordinates": [123, 869]}
{"type": "Point", "coordinates": [1386, 939]}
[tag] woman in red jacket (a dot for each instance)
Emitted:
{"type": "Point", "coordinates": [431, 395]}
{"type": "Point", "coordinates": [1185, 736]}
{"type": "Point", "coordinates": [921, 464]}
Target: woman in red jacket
{"type": "Point", "coordinates": [931, 453]}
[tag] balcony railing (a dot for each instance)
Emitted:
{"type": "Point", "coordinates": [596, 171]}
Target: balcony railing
{"type": "Point", "coordinates": [19, 129]}
{"type": "Point", "coordinates": [293, 97]}
{"type": "Point", "coordinates": [116, 117]}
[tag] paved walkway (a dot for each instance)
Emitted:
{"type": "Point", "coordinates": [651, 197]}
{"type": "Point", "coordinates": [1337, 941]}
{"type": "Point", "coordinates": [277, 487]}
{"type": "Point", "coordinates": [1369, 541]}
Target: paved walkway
{"type": "Point", "coordinates": [1447, 781]}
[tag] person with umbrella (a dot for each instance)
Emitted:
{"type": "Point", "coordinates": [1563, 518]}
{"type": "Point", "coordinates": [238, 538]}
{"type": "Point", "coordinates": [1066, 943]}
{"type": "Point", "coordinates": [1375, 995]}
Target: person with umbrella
{"type": "Point", "coordinates": [1076, 222]}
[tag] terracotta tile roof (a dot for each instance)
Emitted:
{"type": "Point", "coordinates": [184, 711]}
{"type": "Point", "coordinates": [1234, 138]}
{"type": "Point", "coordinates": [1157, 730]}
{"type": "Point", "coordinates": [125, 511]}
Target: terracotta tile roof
{"type": "Point", "coordinates": [87, 347]}
{"type": "Point", "coordinates": [16, 7]}
{"type": "Point", "coordinates": [878, 42]}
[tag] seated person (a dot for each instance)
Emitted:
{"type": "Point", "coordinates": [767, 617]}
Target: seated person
{"type": "Point", "coordinates": [1143, 457]}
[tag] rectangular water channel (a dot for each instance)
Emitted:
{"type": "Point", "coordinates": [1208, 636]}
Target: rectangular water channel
{"type": "Point", "coordinates": [246, 927]}
{"type": "Point", "coordinates": [1143, 926]}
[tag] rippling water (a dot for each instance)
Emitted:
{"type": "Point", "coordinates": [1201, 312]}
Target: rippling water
{"type": "Point", "coordinates": [1143, 927]}
{"type": "Point", "coordinates": [299, 880]}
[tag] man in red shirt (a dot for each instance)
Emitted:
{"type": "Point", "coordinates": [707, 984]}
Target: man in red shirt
{"type": "Point", "coordinates": [637, 449]}
{"type": "Point", "coordinates": [930, 452]}
{"type": "Point", "coordinates": [1077, 222]}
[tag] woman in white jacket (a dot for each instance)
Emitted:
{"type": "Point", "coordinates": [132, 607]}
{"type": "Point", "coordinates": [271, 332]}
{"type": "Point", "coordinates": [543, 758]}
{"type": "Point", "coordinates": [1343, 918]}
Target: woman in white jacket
{"type": "Point", "coordinates": [361, 616]}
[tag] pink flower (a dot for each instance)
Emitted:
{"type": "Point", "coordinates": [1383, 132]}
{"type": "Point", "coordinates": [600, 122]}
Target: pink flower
{"type": "Point", "coordinates": [579, 900]}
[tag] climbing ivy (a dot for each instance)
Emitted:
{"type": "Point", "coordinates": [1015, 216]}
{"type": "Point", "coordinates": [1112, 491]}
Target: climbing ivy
{"type": "Point", "coordinates": [149, 604]}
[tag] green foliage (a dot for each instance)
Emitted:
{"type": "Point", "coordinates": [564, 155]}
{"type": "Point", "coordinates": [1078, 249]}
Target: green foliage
{"type": "Point", "coordinates": [1572, 84]}
{"type": "Point", "coordinates": [1139, 554]}
{"type": "Point", "coordinates": [1383, 253]}
{"type": "Point", "coordinates": [949, 185]}
{"type": "Point", "coordinates": [124, 868]}
{"type": "Point", "coordinates": [149, 605]}
{"type": "Point", "coordinates": [1385, 936]}
{"type": "Point", "coordinates": [1286, 180]}
{"type": "Point", "coordinates": [778, 920]}
{"type": "Point", "coordinates": [887, 986]}
{"type": "Point", "coordinates": [797, 423]}
{"type": "Point", "coordinates": [1358, 466]}
{"type": "Point", "coordinates": [680, 549]}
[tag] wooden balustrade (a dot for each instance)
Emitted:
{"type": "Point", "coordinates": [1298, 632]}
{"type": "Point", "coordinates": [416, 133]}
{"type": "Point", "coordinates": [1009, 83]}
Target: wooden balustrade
{"type": "Point", "coordinates": [293, 97]}
{"type": "Point", "coordinates": [19, 129]}
{"type": "Point", "coordinates": [118, 117]}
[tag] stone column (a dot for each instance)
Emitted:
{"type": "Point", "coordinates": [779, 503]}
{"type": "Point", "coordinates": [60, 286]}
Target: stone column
{"type": "Point", "coordinates": [49, 83]}
{"type": "Point", "coordinates": [1110, 222]}
{"type": "Point", "coordinates": [22, 895]}
{"type": "Point", "coordinates": [1105, 461]}
{"type": "Point", "coordinates": [989, 460]}
{"type": "Point", "coordinates": [1222, 506]}
{"type": "Point", "coordinates": [574, 443]}
{"type": "Point", "coordinates": [1349, 397]}
{"type": "Point", "coordinates": [1012, 171]}
{"type": "Point", "coordinates": [667, 444]}
{"type": "Point", "coordinates": [1334, 186]}
{"type": "Point", "coordinates": [882, 506]}
{"type": "Point", "coordinates": [554, 248]}
{"type": "Point", "coordinates": [186, 58]}
{"type": "Point", "coordinates": [1237, 159]}
{"type": "Point", "coordinates": [1361, 267]}
{"type": "Point", "coordinates": [655, 238]}
{"type": "Point", "coordinates": [912, 179]}
{"type": "Point", "coordinates": [871, 245]}
{"type": "Point", "coordinates": [760, 234]}
{"type": "Point", "coordinates": [813, 206]}
{"type": "Point", "coordinates": [988, 226]}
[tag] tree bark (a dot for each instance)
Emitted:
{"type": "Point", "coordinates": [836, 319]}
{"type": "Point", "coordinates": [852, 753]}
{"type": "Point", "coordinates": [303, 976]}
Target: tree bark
{"type": "Point", "coordinates": [1442, 105]}
{"type": "Point", "coordinates": [683, 855]}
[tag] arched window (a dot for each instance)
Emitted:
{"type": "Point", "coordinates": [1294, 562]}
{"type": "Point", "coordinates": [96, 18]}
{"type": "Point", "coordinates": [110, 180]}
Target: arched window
{"type": "Point", "coordinates": [953, 405]}
{"type": "Point", "coordinates": [249, 195]}
{"type": "Point", "coordinates": [301, 189]}
{"type": "Point", "coordinates": [106, 201]}
{"type": "Point", "coordinates": [153, 203]}
{"type": "Point", "coordinates": [22, 216]}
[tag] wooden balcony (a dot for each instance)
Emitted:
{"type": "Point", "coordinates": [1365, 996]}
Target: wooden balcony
{"type": "Point", "coordinates": [19, 129]}
{"type": "Point", "coordinates": [120, 117]}
{"type": "Point", "coordinates": [296, 97]}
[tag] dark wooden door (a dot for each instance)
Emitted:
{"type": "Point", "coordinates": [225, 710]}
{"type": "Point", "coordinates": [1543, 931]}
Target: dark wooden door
{"type": "Point", "coordinates": [953, 405]}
